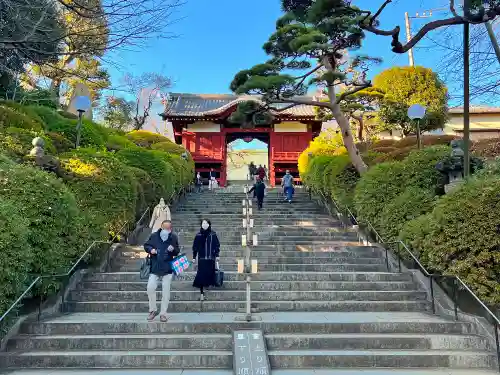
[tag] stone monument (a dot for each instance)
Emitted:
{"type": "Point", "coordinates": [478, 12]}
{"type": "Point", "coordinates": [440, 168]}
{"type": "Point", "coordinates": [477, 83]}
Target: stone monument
{"type": "Point", "coordinates": [37, 151]}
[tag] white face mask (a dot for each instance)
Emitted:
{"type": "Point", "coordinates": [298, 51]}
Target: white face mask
{"type": "Point", "coordinates": [205, 225]}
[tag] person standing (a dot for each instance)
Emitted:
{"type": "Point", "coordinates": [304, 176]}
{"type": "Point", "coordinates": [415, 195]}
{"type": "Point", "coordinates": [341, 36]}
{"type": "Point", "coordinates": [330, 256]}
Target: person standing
{"type": "Point", "coordinates": [162, 246]}
{"type": "Point", "coordinates": [261, 172]}
{"type": "Point", "coordinates": [287, 184]}
{"type": "Point", "coordinates": [161, 212]}
{"type": "Point", "coordinates": [198, 182]}
{"type": "Point", "coordinates": [259, 190]}
{"type": "Point", "coordinates": [206, 250]}
{"type": "Point", "coordinates": [212, 179]}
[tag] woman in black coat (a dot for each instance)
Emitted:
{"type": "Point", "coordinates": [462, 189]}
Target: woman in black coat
{"type": "Point", "coordinates": [206, 249]}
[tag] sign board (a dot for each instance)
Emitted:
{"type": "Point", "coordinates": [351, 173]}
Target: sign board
{"type": "Point", "coordinates": [249, 353]}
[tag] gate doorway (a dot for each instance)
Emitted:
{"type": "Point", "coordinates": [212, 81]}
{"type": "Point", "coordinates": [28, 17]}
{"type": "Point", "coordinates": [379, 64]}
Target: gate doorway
{"type": "Point", "coordinates": [242, 149]}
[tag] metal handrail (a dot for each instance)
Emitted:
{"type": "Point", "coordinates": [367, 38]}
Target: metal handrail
{"type": "Point", "coordinates": [431, 276]}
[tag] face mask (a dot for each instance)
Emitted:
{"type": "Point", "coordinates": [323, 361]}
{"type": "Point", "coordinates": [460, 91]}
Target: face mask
{"type": "Point", "coordinates": [205, 225]}
{"type": "Point", "coordinates": [164, 234]}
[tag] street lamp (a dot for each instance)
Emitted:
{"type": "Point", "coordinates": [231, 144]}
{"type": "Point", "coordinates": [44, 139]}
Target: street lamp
{"type": "Point", "coordinates": [82, 104]}
{"type": "Point", "coordinates": [417, 112]}
{"type": "Point", "coordinates": [184, 157]}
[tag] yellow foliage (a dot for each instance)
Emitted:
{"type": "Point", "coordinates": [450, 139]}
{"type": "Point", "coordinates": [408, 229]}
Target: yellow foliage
{"type": "Point", "coordinates": [328, 142]}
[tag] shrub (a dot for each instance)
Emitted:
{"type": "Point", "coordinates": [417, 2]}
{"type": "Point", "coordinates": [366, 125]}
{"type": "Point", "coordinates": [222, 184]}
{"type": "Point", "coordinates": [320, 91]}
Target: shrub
{"type": "Point", "coordinates": [60, 142]}
{"type": "Point", "coordinates": [9, 118]}
{"type": "Point", "coordinates": [169, 147]}
{"type": "Point", "coordinates": [409, 205]}
{"type": "Point", "coordinates": [105, 189]}
{"type": "Point", "coordinates": [460, 236]}
{"type": "Point", "coordinates": [68, 115]}
{"type": "Point", "coordinates": [384, 150]}
{"type": "Point", "coordinates": [54, 223]}
{"type": "Point", "coordinates": [427, 140]}
{"type": "Point", "coordinates": [23, 109]}
{"type": "Point", "coordinates": [340, 178]}
{"type": "Point", "coordinates": [14, 240]}
{"type": "Point", "coordinates": [117, 142]}
{"type": "Point", "coordinates": [314, 176]}
{"type": "Point", "coordinates": [90, 136]}
{"type": "Point", "coordinates": [145, 190]}
{"type": "Point", "coordinates": [16, 142]}
{"type": "Point", "coordinates": [146, 139]}
{"type": "Point", "coordinates": [155, 165]}
{"type": "Point", "coordinates": [384, 143]}
{"type": "Point", "coordinates": [420, 168]}
{"type": "Point", "coordinates": [378, 186]}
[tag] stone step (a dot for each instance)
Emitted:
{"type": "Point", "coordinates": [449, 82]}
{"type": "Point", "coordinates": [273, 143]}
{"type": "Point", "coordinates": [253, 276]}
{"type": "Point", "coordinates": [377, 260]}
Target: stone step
{"type": "Point", "coordinates": [270, 259]}
{"type": "Point", "coordinates": [266, 276]}
{"type": "Point", "coordinates": [257, 296]}
{"type": "Point", "coordinates": [381, 359]}
{"type": "Point", "coordinates": [122, 342]}
{"type": "Point", "coordinates": [273, 342]}
{"type": "Point", "coordinates": [307, 268]}
{"type": "Point", "coordinates": [361, 341]}
{"type": "Point", "coordinates": [120, 359]}
{"type": "Point", "coordinates": [258, 285]}
{"type": "Point", "coordinates": [261, 306]}
{"type": "Point", "coordinates": [271, 323]}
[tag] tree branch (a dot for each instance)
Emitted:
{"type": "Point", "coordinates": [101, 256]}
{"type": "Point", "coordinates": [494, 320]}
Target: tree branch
{"type": "Point", "coordinates": [297, 101]}
{"type": "Point", "coordinates": [358, 88]}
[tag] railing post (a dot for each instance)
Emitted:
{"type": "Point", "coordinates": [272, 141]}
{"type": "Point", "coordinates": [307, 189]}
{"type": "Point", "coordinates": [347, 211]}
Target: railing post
{"type": "Point", "coordinates": [455, 297]}
{"type": "Point", "coordinates": [433, 302]}
{"type": "Point", "coordinates": [497, 341]}
{"type": "Point", "coordinates": [387, 258]}
{"type": "Point", "coordinates": [399, 256]}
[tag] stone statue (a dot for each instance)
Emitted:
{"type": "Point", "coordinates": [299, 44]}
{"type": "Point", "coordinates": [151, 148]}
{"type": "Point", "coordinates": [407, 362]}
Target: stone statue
{"type": "Point", "coordinates": [37, 151]}
{"type": "Point", "coordinates": [160, 213]}
{"type": "Point", "coordinates": [457, 148]}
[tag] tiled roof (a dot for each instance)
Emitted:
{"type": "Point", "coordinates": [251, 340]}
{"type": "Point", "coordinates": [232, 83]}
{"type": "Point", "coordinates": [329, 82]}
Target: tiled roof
{"type": "Point", "coordinates": [202, 105]}
{"type": "Point", "coordinates": [476, 109]}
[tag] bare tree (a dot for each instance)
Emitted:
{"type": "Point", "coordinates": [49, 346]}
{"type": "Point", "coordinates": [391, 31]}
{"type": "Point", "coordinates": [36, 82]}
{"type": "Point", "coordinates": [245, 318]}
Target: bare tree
{"type": "Point", "coordinates": [145, 88]}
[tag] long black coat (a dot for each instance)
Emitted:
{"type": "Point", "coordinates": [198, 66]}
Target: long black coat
{"type": "Point", "coordinates": [260, 190]}
{"type": "Point", "coordinates": [160, 262]}
{"type": "Point", "coordinates": [205, 250]}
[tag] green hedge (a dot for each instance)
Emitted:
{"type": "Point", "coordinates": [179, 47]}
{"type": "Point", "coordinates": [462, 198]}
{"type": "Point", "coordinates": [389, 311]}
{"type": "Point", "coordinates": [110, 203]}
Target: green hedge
{"type": "Point", "coordinates": [146, 139]}
{"type": "Point", "coordinates": [145, 190]}
{"type": "Point", "coordinates": [16, 253]}
{"type": "Point", "coordinates": [169, 146]}
{"type": "Point", "coordinates": [24, 110]}
{"type": "Point", "coordinates": [55, 223]}
{"type": "Point", "coordinates": [9, 118]}
{"type": "Point", "coordinates": [460, 236]}
{"type": "Point", "coordinates": [105, 189]}
{"type": "Point", "coordinates": [116, 142]}
{"type": "Point", "coordinates": [155, 165]}
{"type": "Point", "coordinates": [60, 142]}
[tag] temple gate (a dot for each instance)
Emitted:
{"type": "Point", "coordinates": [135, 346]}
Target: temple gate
{"type": "Point", "coordinates": [201, 123]}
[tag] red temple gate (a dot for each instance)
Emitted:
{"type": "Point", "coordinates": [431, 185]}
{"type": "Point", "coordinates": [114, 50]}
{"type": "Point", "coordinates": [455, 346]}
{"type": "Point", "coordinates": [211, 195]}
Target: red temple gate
{"type": "Point", "coordinates": [200, 123]}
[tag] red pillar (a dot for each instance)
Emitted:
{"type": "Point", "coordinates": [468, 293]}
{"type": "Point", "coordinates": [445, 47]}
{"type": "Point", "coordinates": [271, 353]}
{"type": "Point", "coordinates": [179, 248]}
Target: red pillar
{"type": "Point", "coordinates": [271, 158]}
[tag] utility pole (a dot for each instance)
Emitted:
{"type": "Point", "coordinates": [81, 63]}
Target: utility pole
{"type": "Point", "coordinates": [466, 99]}
{"type": "Point", "coordinates": [408, 38]}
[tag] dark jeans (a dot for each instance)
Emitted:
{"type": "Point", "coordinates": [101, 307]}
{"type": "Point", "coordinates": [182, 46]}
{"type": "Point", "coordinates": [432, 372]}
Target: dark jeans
{"type": "Point", "coordinates": [260, 201]}
{"type": "Point", "coordinates": [289, 192]}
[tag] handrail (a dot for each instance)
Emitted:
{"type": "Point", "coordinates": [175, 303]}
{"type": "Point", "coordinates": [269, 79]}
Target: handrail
{"type": "Point", "coordinates": [431, 276]}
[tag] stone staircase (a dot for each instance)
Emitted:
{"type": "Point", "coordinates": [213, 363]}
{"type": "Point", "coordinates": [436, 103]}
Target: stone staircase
{"type": "Point", "coordinates": [326, 305]}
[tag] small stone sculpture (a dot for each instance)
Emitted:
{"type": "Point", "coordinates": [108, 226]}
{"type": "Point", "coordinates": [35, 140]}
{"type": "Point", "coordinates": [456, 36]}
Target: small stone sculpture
{"type": "Point", "coordinates": [38, 145]}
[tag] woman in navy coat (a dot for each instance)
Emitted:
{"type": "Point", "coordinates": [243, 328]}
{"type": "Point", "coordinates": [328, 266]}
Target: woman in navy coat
{"type": "Point", "coordinates": [206, 249]}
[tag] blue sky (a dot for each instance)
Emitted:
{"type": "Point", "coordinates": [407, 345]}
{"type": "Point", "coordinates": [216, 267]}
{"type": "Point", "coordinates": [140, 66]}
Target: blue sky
{"type": "Point", "coordinates": [217, 38]}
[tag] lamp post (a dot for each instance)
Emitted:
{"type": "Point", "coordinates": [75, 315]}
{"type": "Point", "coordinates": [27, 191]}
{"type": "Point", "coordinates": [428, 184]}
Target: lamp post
{"type": "Point", "coordinates": [82, 104]}
{"type": "Point", "coordinates": [417, 112]}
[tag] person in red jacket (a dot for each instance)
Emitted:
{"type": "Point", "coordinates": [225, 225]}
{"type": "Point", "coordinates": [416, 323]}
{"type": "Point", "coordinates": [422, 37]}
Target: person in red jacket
{"type": "Point", "coordinates": [261, 172]}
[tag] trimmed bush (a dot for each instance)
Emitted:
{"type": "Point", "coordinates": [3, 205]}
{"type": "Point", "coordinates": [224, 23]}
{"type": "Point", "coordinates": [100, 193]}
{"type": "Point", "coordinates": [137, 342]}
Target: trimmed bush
{"type": "Point", "coordinates": [60, 142]}
{"type": "Point", "coordinates": [146, 139]}
{"type": "Point", "coordinates": [384, 143]}
{"type": "Point", "coordinates": [117, 142]}
{"type": "Point", "coordinates": [105, 189]}
{"type": "Point", "coordinates": [24, 110]}
{"type": "Point", "coordinates": [460, 236]}
{"type": "Point", "coordinates": [55, 224]}
{"type": "Point", "coordinates": [16, 254]}
{"type": "Point", "coordinates": [68, 115]}
{"type": "Point", "coordinates": [154, 163]}
{"type": "Point", "coordinates": [378, 186]}
{"type": "Point", "coordinates": [340, 178]}
{"type": "Point", "coordinates": [145, 190]}
{"type": "Point", "coordinates": [420, 168]}
{"type": "Point", "coordinates": [169, 147]}
{"type": "Point", "coordinates": [427, 140]}
{"type": "Point", "coordinates": [384, 150]}
{"type": "Point", "coordinates": [9, 118]}
{"type": "Point", "coordinates": [409, 205]}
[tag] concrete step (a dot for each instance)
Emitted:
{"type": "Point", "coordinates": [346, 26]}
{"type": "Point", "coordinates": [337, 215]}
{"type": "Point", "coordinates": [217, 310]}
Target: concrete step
{"type": "Point", "coordinates": [261, 306]}
{"type": "Point", "coordinates": [119, 359]}
{"type": "Point", "coordinates": [122, 342]}
{"type": "Point", "coordinates": [381, 359]}
{"type": "Point", "coordinates": [312, 323]}
{"type": "Point", "coordinates": [258, 285]}
{"type": "Point", "coordinates": [266, 276]}
{"type": "Point", "coordinates": [237, 295]}
{"type": "Point", "coordinates": [270, 259]}
{"type": "Point", "coordinates": [287, 267]}
{"type": "Point", "coordinates": [365, 341]}
{"type": "Point", "coordinates": [273, 342]}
